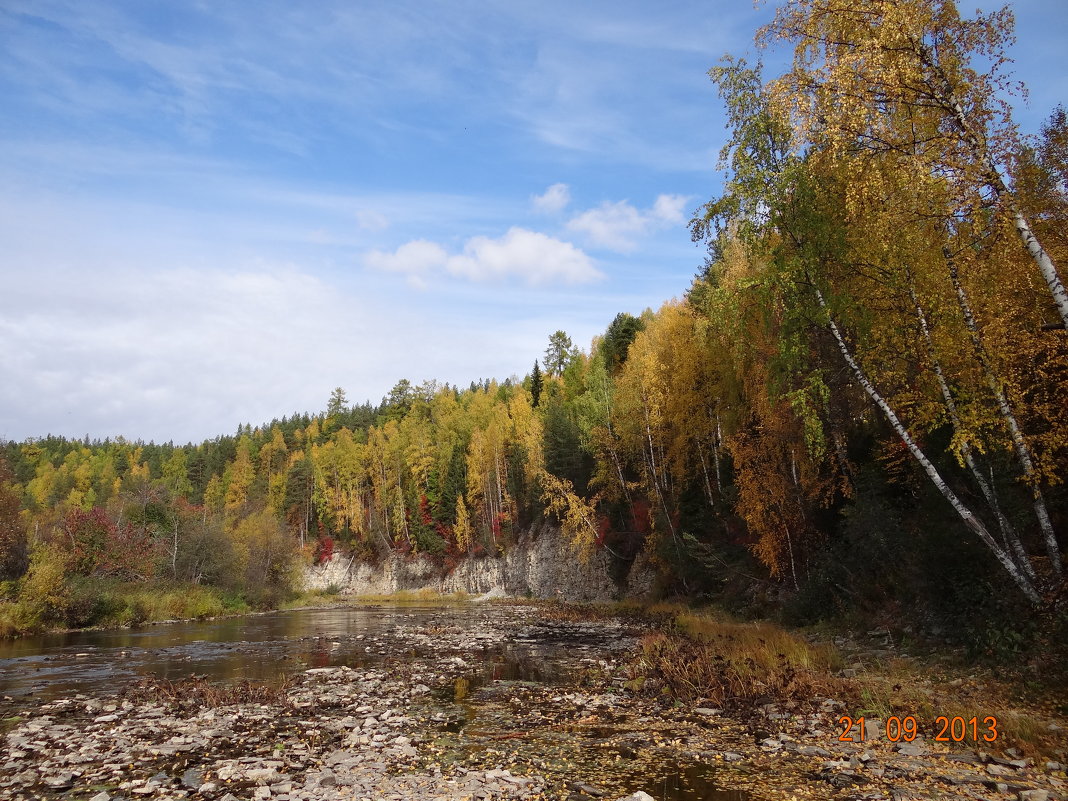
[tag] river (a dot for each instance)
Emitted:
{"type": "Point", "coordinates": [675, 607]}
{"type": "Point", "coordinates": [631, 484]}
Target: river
{"type": "Point", "coordinates": [256, 647]}
{"type": "Point", "coordinates": [496, 674]}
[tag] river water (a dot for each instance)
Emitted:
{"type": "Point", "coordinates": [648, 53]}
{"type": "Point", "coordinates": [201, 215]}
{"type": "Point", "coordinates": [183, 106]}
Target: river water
{"type": "Point", "coordinates": [256, 647]}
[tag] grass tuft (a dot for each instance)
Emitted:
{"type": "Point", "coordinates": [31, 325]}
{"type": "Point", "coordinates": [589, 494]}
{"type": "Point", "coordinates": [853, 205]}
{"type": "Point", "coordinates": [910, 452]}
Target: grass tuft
{"type": "Point", "coordinates": [195, 693]}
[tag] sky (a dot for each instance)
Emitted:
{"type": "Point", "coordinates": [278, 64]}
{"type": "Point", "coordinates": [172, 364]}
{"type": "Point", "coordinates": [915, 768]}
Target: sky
{"type": "Point", "coordinates": [215, 213]}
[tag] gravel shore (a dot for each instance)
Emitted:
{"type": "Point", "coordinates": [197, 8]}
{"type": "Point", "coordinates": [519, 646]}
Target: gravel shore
{"type": "Point", "coordinates": [430, 722]}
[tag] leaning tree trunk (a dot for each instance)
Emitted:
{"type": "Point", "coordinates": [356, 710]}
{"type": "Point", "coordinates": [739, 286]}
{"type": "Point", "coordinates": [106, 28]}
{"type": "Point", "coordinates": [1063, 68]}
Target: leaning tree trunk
{"type": "Point", "coordinates": [970, 520]}
{"type": "Point", "coordinates": [1008, 532]}
{"type": "Point", "coordinates": [1023, 451]}
{"type": "Point", "coordinates": [944, 94]}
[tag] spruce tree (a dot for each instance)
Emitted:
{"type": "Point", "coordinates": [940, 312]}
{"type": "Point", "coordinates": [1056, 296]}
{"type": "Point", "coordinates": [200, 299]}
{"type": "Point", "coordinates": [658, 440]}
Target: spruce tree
{"type": "Point", "coordinates": [535, 385]}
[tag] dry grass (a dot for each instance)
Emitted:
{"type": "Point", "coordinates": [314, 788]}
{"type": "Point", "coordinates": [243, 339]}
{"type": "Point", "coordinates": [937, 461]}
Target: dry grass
{"type": "Point", "coordinates": [196, 692]}
{"type": "Point", "coordinates": [921, 690]}
{"type": "Point", "coordinates": [423, 596]}
{"type": "Point", "coordinates": [704, 654]}
{"type": "Point", "coordinates": [764, 643]}
{"type": "Point", "coordinates": [732, 664]}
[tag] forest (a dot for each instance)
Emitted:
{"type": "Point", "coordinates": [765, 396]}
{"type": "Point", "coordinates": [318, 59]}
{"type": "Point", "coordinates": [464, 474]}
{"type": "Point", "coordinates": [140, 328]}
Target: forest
{"type": "Point", "coordinates": [856, 411]}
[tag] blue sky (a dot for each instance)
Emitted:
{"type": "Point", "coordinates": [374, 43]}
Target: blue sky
{"type": "Point", "coordinates": [214, 213]}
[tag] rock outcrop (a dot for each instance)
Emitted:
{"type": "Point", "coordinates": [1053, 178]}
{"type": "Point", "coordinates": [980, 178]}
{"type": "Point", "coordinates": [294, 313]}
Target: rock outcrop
{"type": "Point", "coordinates": [542, 564]}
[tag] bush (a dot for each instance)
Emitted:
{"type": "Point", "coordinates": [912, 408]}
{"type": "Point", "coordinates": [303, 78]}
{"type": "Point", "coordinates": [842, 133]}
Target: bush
{"type": "Point", "coordinates": [92, 603]}
{"type": "Point", "coordinates": [44, 596]}
{"type": "Point", "coordinates": [14, 548]}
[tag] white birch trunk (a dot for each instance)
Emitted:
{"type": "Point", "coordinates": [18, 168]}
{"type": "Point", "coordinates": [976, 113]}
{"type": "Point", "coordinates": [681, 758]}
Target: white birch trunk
{"type": "Point", "coordinates": [612, 447]}
{"type": "Point", "coordinates": [1044, 262]}
{"type": "Point", "coordinates": [969, 518]}
{"type": "Point", "coordinates": [997, 183]}
{"type": "Point", "coordinates": [174, 551]}
{"type": "Point", "coordinates": [1023, 451]}
{"type": "Point", "coordinates": [715, 454]}
{"type": "Point", "coordinates": [790, 548]}
{"type": "Point", "coordinates": [1008, 532]}
{"type": "Point", "coordinates": [704, 470]}
{"type": "Point", "coordinates": [652, 465]}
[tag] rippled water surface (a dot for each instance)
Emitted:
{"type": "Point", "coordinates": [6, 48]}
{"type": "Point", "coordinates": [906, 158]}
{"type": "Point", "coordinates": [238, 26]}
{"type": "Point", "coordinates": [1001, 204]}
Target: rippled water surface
{"type": "Point", "coordinates": [253, 647]}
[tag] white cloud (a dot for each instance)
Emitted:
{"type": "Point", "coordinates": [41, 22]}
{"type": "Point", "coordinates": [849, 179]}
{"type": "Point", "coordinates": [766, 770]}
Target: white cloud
{"type": "Point", "coordinates": [174, 353]}
{"type": "Point", "coordinates": [416, 258]}
{"type": "Point", "coordinates": [181, 353]}
{"type": "Point", "coordinates": [553, 200]}
{"type": "Point", "coordinates": [611, 225]}
{"type": "Point", "coordinates": [532, 257]}
{"type": "Point", "coordinates": [617, 226]}
{"type": "Point", "coordinates": [668, 208]}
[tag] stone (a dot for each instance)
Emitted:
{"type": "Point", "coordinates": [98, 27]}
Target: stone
{"type": "Point", "coordinates": [585, 788]}
{"type": "Point", "coordinates": [101, 796]}
{"type": "Point", "coordinates": [59, 781]}
{"type": "Point", "coordinates": [913, 749]}
{"type": "Point", "coordinates": [638, 796]}
{"type": "Point", "coordinates": [26, 778]}
{"type": "Point", "coordinates": [263, 776]}
{"type": "Point", "coordinates": [193, 778]}
{"type": "Point", "coordinates": [1034, 795]}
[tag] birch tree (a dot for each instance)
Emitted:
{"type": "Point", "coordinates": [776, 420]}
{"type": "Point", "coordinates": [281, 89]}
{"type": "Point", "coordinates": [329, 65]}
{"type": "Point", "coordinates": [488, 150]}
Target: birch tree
{"type": "Point", "coordinates": [895, 76]}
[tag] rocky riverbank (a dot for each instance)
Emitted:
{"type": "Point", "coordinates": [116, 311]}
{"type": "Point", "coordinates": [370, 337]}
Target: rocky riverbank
{"type": "Point", "coordinates": [440, 715]}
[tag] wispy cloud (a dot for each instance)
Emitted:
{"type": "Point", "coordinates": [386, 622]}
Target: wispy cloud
{"type": "Point", "coordinates": [553, 200]}
{"type": "Point", "coordinates": [169, 354]}
{"type": "Point", "coordinates": [618, 226]}
{"type": "Point", "coordinates": [188, 353]}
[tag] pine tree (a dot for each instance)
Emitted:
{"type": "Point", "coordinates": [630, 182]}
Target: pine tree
{"type": "Point", "coordinates": [559, 353]}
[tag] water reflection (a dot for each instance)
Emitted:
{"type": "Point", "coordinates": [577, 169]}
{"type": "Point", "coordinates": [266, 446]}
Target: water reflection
{"type": "Point", "coordinates": [690, 783]}
{"type": "Point", "coordinates": [253, 647]}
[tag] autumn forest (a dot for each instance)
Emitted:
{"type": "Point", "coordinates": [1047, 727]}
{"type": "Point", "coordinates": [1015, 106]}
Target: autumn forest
{"type": "Point", "coordinates": [856, 411]}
